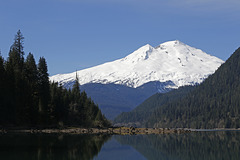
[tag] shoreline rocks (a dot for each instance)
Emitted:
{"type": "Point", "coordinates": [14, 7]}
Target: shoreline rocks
{"type": "Point", "coordinates": [111, 131]}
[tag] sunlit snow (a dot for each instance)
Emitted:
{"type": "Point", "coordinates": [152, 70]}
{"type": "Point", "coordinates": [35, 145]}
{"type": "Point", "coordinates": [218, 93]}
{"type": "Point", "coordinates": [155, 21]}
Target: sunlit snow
{"type": "Point", "coordinates": [171, 61]}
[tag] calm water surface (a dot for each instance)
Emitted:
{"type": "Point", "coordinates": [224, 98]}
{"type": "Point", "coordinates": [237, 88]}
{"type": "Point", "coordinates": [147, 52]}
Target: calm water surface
{"type": "Point", "coordinates": [221, 145]}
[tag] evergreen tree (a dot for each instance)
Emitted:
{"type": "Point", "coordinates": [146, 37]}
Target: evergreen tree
{"type": "Point", "coordinates": [76, 107]}
{"type": "Point", "coordinates": [76, 91]}
{"type": "Point", "coordinates": [31, 77]}
{"type": "Point", "coordinates": [2, 90]}
{"type": "Point", "coordinates": [10, 93]}
{"type": "Point", "coordinates": [58, 104]}
{"type": "Point", "coordinates": [43, 90]}
{"type": "Point", "coordinates": [18, 44]}
{"type": "Point", "coordinates": [2, 73]}
{"type": "Point", "coordinates": [16, 84]}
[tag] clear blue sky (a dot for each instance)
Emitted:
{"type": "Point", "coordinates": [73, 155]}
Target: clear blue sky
{"type": "Point", "coordinates": [77, 34]}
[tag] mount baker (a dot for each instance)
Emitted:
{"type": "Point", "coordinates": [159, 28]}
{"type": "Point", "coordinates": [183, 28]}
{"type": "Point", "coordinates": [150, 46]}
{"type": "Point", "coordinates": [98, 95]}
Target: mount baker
{"type": "Point", "coordinates": [123, 84]}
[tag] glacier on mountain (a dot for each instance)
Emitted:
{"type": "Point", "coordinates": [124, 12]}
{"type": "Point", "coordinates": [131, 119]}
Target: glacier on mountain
{"type": "Point", "coordinates": [170, 61]}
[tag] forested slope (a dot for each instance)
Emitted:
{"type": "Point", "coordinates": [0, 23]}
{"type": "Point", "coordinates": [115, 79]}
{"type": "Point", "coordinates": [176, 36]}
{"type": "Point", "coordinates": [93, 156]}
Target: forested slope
{"type": "Point", "coordinates": [213, 104]}
{"type": "Point", "coordinates": [139, 115]}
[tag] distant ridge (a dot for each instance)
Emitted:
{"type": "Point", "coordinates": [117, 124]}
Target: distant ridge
{"type": "Point", "coordinates": [139, 116]}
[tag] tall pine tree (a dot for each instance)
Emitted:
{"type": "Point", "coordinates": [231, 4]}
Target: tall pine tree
{"type": "Point", "coordinates": [2, 90]}
{"type": "Point", "coordinates": [43, 91]}
{"type": "Point", "coordinates": [16, 84]}
{"type": "Point", "coordinates": [18, 44]}
{"type": "Point", "coordinates": [31, 78]}
{"type": "Point", "coordinates": [76, 107]}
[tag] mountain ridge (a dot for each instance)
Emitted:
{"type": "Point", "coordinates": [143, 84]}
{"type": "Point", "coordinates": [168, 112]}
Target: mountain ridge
{"type": "Point", "coordinates": [170, 61]}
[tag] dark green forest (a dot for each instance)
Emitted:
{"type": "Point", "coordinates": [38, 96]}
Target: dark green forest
{"type": "Point", "coordinates": [29, 99]}
{"type": "Point", "coordinates": [213, 104]}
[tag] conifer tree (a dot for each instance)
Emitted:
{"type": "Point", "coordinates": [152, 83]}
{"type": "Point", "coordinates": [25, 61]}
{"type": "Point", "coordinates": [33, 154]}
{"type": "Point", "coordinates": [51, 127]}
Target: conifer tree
{"type": "Point", "coordinates": [76, 90]}
{"type": "Point", "coordinates": [2, 74]}
{"type": "Point", "coordinates": [76, 105]}
{"type": "Point", "coordinates": [16, 53]}
{"type": "Point", "coordinates": [43, 90]}
{"type": "Point", "coordinates": [18, 44]}
{"type": "Point", "coordinates": [2, 90]}
{"type": "Point", "coordinates": [10, 93]}
{"type": "Point", "coordinates": [31, 77]}
{"type": "Point", "coordinates": [16, 84]}
{"type": "Point", "coordinates": [59, 104]}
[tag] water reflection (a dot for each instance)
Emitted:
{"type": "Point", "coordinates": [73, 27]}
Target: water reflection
{"type": "Point", "coordinates": [113, 150]}
{"type": "Point", "coordinates": [197, 146]}
{"type": "Point", "coordinates": [48, 147]}
{"type": "Point", "coordinates": [202, 145]}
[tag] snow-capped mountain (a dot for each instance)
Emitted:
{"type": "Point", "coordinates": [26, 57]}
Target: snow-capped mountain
{"type": "Point", "coordinates": [170, 61]}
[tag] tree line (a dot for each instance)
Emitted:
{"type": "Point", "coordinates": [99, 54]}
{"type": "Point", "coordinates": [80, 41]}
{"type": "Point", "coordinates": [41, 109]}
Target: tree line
{"type": "Point", "coordinates": [29, 99]}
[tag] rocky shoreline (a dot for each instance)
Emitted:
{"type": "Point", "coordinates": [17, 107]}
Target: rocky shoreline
{"type": "Point", "coordinates": [111, 130]}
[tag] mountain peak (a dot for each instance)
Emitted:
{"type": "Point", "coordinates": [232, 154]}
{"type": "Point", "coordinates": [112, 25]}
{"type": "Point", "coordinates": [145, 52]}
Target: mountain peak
{"type": "Point", "coordinates": [140, 54]}
{"type": "Point", "coordinates": [143, 49]}
{"type": "Point", "coordinates": [173, 43]}
{"type": "Point", "coordinates": [146, 45]}
{"type": "Point", "coordinates": [170, 61]}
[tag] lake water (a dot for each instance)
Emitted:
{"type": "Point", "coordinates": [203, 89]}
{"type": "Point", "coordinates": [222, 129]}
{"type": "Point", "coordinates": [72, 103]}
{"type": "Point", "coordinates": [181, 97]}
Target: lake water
{"type": "Point", "coordinates": [220, 145]}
